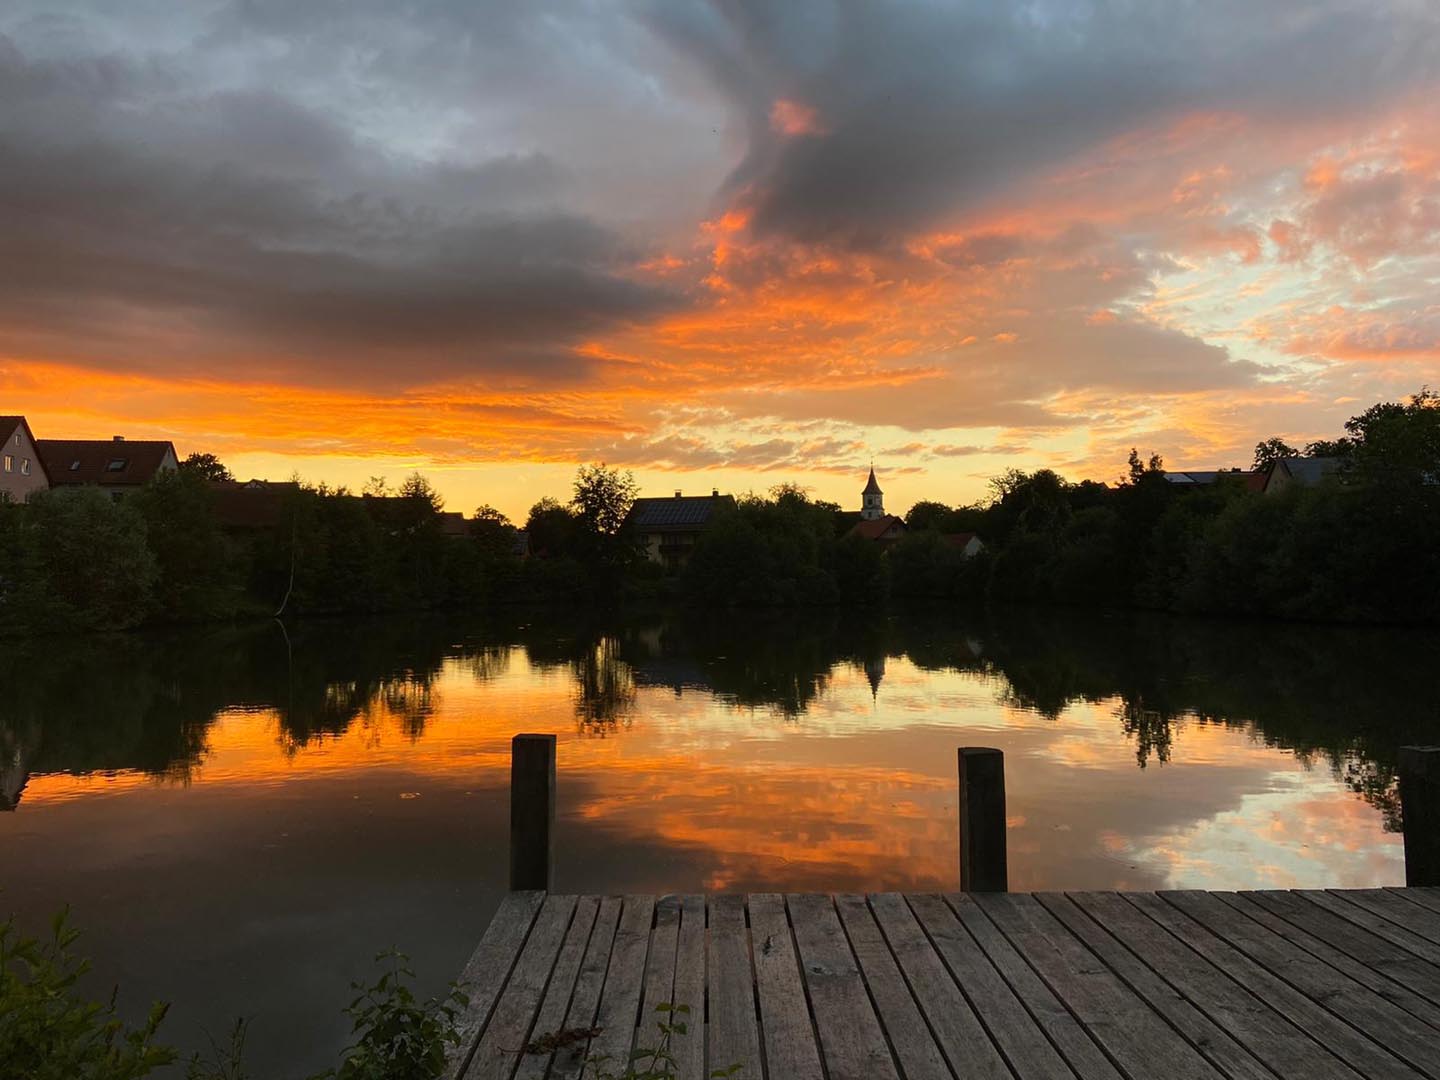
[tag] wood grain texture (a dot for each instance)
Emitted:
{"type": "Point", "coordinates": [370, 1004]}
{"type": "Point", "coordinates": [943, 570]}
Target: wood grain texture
{"type": "Point", "coordinates": [734, 1033]}
{"type": "Point", "coordinates": [488, 969]}
{"type": "Point", "coordinates": [1188, 985]}
{"type": "Point", "coordinates": [850, 1032]}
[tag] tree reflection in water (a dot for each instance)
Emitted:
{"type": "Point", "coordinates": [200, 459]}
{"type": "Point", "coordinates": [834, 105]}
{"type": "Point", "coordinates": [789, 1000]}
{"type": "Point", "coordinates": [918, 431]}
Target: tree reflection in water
{"type": "Point", "coordinates": [1346, 698]}
{"type": "Point", "coordinates": [604, 688]}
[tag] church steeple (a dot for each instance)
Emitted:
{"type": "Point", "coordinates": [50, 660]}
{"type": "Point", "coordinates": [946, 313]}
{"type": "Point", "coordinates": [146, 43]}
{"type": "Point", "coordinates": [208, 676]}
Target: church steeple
{"type": "Point", "coordinates": [872, 499]}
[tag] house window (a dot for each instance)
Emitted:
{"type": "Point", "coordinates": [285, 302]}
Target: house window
{"type": "Point", "coordinates": [116, 465]}
{"type": "Point", "coordinates": [9, 463]}
{"type": "Point", "coordinates": [25, 466]}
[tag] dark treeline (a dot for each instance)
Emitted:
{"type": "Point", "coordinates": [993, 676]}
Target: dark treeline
{"type": "Point", "coordinates": [1342, 697]}
{"type": "Point", "coordinates": [1358, 546]}
{"type": "Point", "coordinates": [76, 559]}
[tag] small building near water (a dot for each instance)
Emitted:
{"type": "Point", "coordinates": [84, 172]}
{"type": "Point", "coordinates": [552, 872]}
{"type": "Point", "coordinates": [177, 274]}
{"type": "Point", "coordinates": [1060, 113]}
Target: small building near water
{"type": "Point", "coordinates": [667, 529]}
{"type": "Point", "coordinates": [21, 472]}
{"type": "Point", "coordinates": [969, 544]}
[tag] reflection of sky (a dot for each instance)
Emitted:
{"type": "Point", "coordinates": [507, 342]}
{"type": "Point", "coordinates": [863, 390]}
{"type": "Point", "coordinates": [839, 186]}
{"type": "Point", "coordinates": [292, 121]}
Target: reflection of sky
{"type": "Point", "coordinates": [271, 856]}
{"type": "Point", "coordinates": [855, 793]}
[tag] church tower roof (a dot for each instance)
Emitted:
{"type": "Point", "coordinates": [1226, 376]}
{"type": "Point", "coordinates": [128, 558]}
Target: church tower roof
{"type": "Point", "coordinates": [872, 488]}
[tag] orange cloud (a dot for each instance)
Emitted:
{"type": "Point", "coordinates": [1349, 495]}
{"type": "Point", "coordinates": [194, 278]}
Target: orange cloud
{"type": "Point", "coordinates": [793, 118]}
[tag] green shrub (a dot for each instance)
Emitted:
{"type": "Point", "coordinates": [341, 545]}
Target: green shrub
{"type": "Point", "coordinates": [49, 1031]}
{"type": "Point", "coordinates": [397, 1037]}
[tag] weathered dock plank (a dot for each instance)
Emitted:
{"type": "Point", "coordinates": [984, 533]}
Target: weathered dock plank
{"type": "Point", "coordinates": [1246, 986]}
{"type": "Point", "coordinates": [850, 1033]}
{"type": "Point", "coordinates": [624, 984]}
{"type": "Point", "coordinates": [1217, 1016]}
{"type": "Point", "coordinates": [489, 967]}
{"type": "Point", "coordinates": [916, 1052]}
{"type": "Point", "coordinates": [1345, 1042]}
{"type": "Point", "coordinates": [503, 1042]}
{"type": "Point", "coordinates": [1059, 1025]}
{"type": "Point", "coordinates": [952, 995]}
{"type": "Point", "coordinates": [562, 985]}
{"type": "Point", "coordinates": [585, 1001]}
{"type": "Point", "coordinates": [734, 1030]}
{"type": "Point", "coordinates": [790, 1046]}
{"type": "Point", "coordinates": [688, 1048]}
{"type": "Point", "coordinates": [1132, 1033]}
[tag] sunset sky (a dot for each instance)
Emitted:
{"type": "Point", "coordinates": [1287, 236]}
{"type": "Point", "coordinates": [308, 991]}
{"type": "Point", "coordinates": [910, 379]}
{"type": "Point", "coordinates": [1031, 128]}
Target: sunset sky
{"type": "Point", "coordinates": [722, 244]}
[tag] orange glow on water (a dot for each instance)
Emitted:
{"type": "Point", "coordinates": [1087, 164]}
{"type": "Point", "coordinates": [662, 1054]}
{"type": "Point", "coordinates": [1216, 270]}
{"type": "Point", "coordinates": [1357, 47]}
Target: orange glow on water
{"type": "Point", "coordinates": [854, 794]}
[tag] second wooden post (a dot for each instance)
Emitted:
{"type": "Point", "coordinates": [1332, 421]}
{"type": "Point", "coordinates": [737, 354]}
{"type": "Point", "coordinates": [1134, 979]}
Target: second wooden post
{"type": "Point", "coordinates": [982, 820]}
{"type": "Point", "coordinates": [1420, 809]}
{"type": "Point", "coordinates": [532, 811]}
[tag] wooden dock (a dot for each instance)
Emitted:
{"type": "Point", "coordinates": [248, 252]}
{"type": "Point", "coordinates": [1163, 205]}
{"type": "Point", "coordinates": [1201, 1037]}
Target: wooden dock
{"type": "Point", "coordinates": [894, 986]}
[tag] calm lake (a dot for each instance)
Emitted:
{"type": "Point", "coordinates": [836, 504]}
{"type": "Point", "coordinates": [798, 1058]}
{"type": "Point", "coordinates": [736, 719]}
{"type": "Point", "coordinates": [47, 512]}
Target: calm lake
{"type": "Point", "coordinates": [240, 819]}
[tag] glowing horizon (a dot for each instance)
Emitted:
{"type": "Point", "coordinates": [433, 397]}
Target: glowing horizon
{"type": "Point", "coordinates": [720, 249]}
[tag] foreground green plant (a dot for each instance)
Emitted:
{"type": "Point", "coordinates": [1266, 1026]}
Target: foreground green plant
{"type": "Point", "coordinates": [657, 1063]}
{"type": "Point", "coordinates": [48, 1031]}
{"type": "Point", "coordinates": [397, 1037]}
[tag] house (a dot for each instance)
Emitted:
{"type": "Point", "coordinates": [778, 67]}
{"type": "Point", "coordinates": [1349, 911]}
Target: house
{"type": "Point", "coordinates": [667, 529]}
{"type": "Point", "coordinates": [969, 544]}
{"type": "Point", "coordinates": [1253, 480]}
{"type": "Point", "coordinates": [883, 530]}
{"type": "Point", "coordinates": [116, 465]}
{"type": "Point", "coordinates": [875, 524]}
{"type": "Point", "coordinates": [22, 473]}
{"type": "Point", "coordinates": [1306, 471]}
{"type": "Point", "coordinates": [454, 525]}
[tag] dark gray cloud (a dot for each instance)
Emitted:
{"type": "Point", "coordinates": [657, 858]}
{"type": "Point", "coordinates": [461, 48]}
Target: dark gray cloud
{"type": "Point", "coordinates": [929, 108]}
{"type": "Point", "coordinates": [146, 212]}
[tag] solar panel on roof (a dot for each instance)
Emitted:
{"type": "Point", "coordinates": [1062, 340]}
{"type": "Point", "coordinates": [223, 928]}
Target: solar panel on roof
{"type": "Point", "coordinates": [672, 513]}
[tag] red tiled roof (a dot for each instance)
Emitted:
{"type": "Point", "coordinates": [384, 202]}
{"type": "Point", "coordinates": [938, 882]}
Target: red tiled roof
{"type": "Point", "coordinates": [875, 528]}
{"type": "Point", "coordinates": [960, 540]}
{"type": "Point", "coordinates": [101, 461]}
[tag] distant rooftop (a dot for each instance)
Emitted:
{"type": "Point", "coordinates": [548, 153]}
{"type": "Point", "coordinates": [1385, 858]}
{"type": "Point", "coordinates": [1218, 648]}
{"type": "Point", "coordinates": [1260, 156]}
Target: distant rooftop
{"type": "Point", "coordinates": [677, 511]}
{"type": "Point", "coordinates": [1253, 480]}
{"type": "Point", "coordinates": [102, 461]}
{"type": "Point", "coordinates": [1311, 470]}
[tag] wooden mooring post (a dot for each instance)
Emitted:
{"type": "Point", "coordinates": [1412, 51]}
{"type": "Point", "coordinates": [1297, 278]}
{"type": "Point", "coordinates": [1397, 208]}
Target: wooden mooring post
{"type": "Point", "coordinates": [982, 820]}
{"type": "Point", "coordinates": [532, 811]}
{"type": "Point", "coordinates": [1420, 808]}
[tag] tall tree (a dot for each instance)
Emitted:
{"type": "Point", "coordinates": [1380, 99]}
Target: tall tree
{"type": "Point", "coordinates": [197, 576]}
{"type": "Point", "coordinates": [1399, 442]}
{"type": "Point", "coordinates": [1270, 451]}
{"type": "Point", "coordinates": [928, 514]}
{"type": "Point", "coordinates": [603, 497]}
{"type": "Point", "coordinates": [1138, 468]}
{"type": "Point", "coordinates": [206, 467]}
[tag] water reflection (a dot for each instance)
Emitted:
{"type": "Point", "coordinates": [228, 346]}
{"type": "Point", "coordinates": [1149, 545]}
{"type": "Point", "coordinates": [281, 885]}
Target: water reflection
{"type": "Point", "coordinates": [221, 805]}
{"type": "Point", "coordinates": [1338, 697]}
